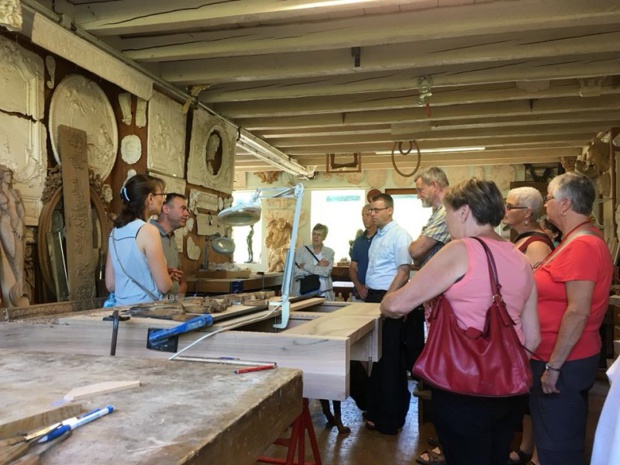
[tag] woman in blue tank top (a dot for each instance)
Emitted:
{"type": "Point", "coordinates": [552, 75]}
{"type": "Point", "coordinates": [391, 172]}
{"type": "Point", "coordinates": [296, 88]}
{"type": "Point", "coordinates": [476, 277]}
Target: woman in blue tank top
{"type": "Point", "coordinates": [136, 267]}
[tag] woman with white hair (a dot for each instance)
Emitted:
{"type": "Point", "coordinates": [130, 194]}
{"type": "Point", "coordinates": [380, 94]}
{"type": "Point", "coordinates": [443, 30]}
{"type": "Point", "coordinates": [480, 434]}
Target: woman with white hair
{"type": "Point", "coordinates": [523, 206]}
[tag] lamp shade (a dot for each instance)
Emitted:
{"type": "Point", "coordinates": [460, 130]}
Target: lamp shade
{"type": "Point", "coordinates": [243, 214]}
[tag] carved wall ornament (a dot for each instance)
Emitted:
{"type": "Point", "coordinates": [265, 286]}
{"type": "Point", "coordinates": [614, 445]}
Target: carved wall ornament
{"type": "Point", "coordinates": [193, 251]}
{"type": "Point", "coordinates": [211, 160]}
{"type": "Point", "coordinates": [175, 185]}
{"type": "Point", "coordinates": [201, 202]}
{"type": "Point", "coordinates": [124, 101]}
{"type": "Point", "coordinates": [166, 136]}
{"type": "Point", "coordinates": [568, 163]}
{"type": "Point", "coordinates": [457, 174]}
{"type": "Point", "coordinates": [268, 177]}
{"type": "Point", "coordinates": [108, 194]}
{"type": "Point", "coordinates": [239, 180]}
{"type": "Point", "coordinates": [81, 104]}
{"type": "Point", "coordinates": [50, 64]}
{"type": "Point", "coordinates": [141, 112]}
{"type": "Point", "coordinates": [355, 178]}
{"type": "Point", "coordinates": [12, 240]}
{"type": "Point", "coordinates": [11, 15]}
{"type": "Point", "coordinates": [208, 225]}
{"type": "Point", "coordinates": [23, 140]}
{"type": "Point", "coordinates": [503, 175]}
{"type": "Point", "coordinates": [131, 149]}
{"type": "Point", "coordinates": [376, 178]}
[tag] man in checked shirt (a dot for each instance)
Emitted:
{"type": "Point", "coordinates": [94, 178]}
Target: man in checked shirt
{"type": "Point", "coordinates": [432, 185]}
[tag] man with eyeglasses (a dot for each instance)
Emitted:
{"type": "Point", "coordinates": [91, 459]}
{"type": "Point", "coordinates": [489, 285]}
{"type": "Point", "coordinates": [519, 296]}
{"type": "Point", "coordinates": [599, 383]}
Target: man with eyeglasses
{"type": "Point", "coordinates": [174, 215]}
{"type": "Point", "coordinates": [389, 265]}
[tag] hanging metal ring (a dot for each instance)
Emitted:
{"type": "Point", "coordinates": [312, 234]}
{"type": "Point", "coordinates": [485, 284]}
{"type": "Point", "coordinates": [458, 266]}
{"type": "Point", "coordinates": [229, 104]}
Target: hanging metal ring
{"type": "Point", "coordinates": [412, 144]}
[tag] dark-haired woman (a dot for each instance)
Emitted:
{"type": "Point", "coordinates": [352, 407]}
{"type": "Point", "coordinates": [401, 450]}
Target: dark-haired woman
{"type": "Point", "coordinates": [474, 430]}
{"type": "Point", "coordinates": [136, 267]}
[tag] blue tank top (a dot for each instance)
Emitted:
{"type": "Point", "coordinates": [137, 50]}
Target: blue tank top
{"type": "Point", "coordinates": [134, 264]}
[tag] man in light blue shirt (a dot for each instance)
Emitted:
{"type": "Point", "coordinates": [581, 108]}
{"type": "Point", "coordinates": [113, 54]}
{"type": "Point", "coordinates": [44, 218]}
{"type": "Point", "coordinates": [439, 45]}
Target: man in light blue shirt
{"type": "Point", "coordinates": [388, 270]}
{"type": "Point", "coordinates": [389, 261]}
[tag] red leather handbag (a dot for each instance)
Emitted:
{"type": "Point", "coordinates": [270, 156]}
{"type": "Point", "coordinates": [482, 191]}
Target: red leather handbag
{"type": "Point", "coordinates": [490, 363]}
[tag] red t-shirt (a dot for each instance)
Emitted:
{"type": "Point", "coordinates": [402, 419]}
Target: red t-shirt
{"type": "Point", "coordinates": [585, 258]}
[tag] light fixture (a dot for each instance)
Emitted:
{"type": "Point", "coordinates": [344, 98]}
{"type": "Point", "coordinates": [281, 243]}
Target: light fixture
{"type": "Point", "coordinates": [245, 214]}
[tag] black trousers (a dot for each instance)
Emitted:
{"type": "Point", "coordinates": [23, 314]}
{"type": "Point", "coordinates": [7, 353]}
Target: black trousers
{"type": "Point", "coordinates": [560, 419]}
{"type": "Point", "coordinates": [389, 396]}
{"type": "Point", "coordinates": [475, 430]}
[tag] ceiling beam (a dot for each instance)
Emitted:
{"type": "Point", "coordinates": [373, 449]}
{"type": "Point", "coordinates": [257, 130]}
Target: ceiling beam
{"type": "Point", "coordinates": [482, 73]}
{"type": "Point", "coordinates": [403, 27]}
{"type": "Point", "coordinates": [502, 48]}
{"type": "Point", "coordinates": [400, 100]}
{"type": "Point", "coordinates": [143, 17]}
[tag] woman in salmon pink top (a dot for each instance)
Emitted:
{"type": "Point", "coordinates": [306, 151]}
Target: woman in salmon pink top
{"type": "Point", "coordinates": [474, 429]}
{"type": "Point", "coordinates": [573, 291]}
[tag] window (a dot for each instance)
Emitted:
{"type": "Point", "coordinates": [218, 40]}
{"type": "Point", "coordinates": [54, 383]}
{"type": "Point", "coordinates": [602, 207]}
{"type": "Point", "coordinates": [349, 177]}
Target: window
{"type": "Point", "coordinates": [341, 212]}
{"type": "Point", "coordinates": [409, 212]}
{"type": "Point", "coordinates": [241, 234]}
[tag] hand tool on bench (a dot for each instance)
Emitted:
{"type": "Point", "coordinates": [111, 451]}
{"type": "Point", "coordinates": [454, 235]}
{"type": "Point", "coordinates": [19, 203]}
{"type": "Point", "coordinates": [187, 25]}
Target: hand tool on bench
{"type": "Point", "coordinates": [33, 458]}
{"type": "Point", "coordinates": [13, 448]}
{"type": "Point", "coordinates": [167, 340]}
{"type": "Point", "coordinates": [116, 318]}
{"type": "Point", "coordinates": [75, 422]}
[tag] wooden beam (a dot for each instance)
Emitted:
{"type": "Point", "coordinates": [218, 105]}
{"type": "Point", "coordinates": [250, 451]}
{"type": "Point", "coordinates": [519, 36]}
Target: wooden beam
{"type": "Point", "coordinates": [375, 101]}
{"type": "Point", "coordinates": [434, 23]}
{"type": "Point", "coordinates": [474, 74]}
{"type": "Point", "coordinates": [501, 48]}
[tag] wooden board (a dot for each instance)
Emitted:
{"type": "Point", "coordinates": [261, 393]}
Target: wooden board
{"type": "Point", "coordinates": [78, 224]}
{"type": "Point", "coordinates": [322, 349]}
{"type": "Point", "coordinates": [184, 413]}
{"type": "Point", "coordinates": [222, 274]}
{"type": "Point", "coordinates": [14, 421]}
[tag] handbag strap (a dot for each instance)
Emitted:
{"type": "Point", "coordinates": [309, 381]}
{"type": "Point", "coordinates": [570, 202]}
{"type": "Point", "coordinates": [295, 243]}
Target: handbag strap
{"type": "Point", "coordinates": [312, 253]}
{"type": "Point", "coordinates": [495, 286]}
{"type": "Point", "coordinates": [148, 292]}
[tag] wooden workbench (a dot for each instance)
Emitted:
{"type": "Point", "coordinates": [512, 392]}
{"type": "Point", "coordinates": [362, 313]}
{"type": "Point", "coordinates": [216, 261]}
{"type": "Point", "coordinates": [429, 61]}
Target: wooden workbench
{"type": "Point", "coordinates": [321, 340]}
{"type": "Point", "coordinates": [234, 285]}
{"type": "Point", "coordinates": [183, 413]}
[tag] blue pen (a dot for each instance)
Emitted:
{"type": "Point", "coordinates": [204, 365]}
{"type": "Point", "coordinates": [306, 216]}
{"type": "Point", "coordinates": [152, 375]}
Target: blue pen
{"type": "Point", "coordinates": [76, 422]}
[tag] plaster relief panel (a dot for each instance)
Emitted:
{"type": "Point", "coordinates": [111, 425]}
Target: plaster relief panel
{"type": "Point", "coordinates": [376, 178]}
{"type": "Point", "coordinates": [23, 140]}
{"type": "Point", "coordinates": [175, 185]}
{"type": "Point", "coordinates": [131, 149]}
{"type": "Point", "coordinates": [457, 174]}
{"type": "Point", "coordinates": [21, 80]}
{"type": "Point", "coordinates": [202, 201]}
{"type": "Point", "coordinates": [193, 251]}
{"type": "Point", "coordinates": [80, 103]}
{"type": "Point", "coordinates": [212, 153]}
{"type": "Point", "coordinates": [166, 136]}
{"type": "Point", "coordinates": [22, 149]}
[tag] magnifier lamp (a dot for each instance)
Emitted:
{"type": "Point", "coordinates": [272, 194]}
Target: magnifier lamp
{"type": "Point", "coordinates": [245, 214]}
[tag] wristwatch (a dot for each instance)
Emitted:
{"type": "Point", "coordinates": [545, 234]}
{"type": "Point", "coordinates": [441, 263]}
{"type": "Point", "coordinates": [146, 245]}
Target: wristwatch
{"type": "Point", "coordinates": [549, 367]}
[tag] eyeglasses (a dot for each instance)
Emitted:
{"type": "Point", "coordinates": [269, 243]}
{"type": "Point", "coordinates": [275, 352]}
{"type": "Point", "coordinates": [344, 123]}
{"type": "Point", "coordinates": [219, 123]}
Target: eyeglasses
{"type": "Point", "coordinates": [509, 207]}
{"type": "Point", "coordinates": [549, 197]}
{"type": "Point", "coordinates": [375, 210]}
{"type": "Point", "coordinates": [161, 193]}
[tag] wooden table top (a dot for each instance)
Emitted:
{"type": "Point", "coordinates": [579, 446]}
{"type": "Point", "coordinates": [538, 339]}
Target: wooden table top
{"type": "Point", "coordinates": [183, 412]}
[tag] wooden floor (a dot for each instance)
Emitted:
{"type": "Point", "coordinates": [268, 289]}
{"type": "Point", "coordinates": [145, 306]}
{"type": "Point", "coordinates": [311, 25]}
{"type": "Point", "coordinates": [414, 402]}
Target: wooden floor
{"type": "Point", "coordinates": [362, 446]}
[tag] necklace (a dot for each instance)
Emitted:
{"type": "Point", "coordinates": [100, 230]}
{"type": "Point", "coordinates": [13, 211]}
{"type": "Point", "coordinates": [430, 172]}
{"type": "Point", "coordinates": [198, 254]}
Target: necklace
{"type": "Point", "coordinates": [575, 229]}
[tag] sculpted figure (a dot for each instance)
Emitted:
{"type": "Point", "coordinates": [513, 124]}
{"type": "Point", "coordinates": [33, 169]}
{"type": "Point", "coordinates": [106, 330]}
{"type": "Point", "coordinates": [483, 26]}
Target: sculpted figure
{"type": "Point", "coordinates": [12, 236]}
{"type": "Point", "coordinates": [278, 237]}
